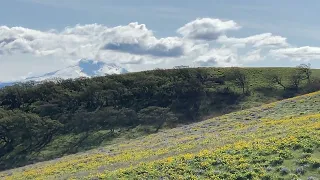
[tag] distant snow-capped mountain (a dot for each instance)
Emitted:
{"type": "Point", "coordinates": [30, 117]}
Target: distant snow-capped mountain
{"type": "Point", "coordinates": [6, 84]}
{"type": "Point", "coordinates": [68, 72]}
{"type": "Point", "coordinates": [84, 68]}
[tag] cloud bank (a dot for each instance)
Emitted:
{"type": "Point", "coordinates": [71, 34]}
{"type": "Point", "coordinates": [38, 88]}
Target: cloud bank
{"type": "Point", "coordinates": [261, 40]}
{"type": "Point", "coordinates": [207, 28]}
{"type": "Point", "coordinates": [305, 53]}
{"type": "Point", "coordinates": [202, 42]}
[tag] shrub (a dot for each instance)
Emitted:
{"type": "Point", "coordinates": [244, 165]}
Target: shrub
{"type": "Point", "coordinates": [307, 147]}
{"type": "Point", "coordinates": [306, 155]}
{"type": "Point", "coordinates": [276, 161]}
{"type": "Point", "coordinates": [314, 162]}
{"type": "Point", "coordinates": [285, 154]}
{"type": "Point", "coordinates": [312, 178]}
{"type": "Point", "coordinates": [269, 168]}
{"type": "Point", "coordinates": [284, 171]}
{"type": "Point", "coordinates": [267, 177]}
{"type": "Point", "coordinates": [294, 177]}
{"type": "Point", "coordinates": [300, 170]}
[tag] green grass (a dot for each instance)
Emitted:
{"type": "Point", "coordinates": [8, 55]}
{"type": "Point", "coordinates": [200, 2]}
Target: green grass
{"type": "Point", "coordinates": [264, 142]}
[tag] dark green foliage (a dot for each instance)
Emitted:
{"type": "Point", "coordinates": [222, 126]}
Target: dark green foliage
{"type": "Point", "coordinates": [21, 132]}
{"type": "Point", "coordinates": [305, 70]}
{"type": "Point", "coordinates": [300, 170]}
{"type": "Point", "coordinates": [284, 170]}
{"type": "Point", "coordinates": [276, 161]}
{"type": "Point", "coordinates": [238, 76]}
{"type": "Point", "coordinates": [156, 116]}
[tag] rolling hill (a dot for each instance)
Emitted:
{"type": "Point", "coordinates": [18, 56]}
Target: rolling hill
{"type": "Point", "coordinates": [280, 140]}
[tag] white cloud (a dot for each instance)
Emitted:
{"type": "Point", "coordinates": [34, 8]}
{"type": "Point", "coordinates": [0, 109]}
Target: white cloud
{"type": "Point", "coordinates": [18, 66]}
{"type": "Point", "coordinates": [267, 40]}
{"type": "Point", "coordinates": [207, 28]}
{"type": "Point", "coordinates": [135, 47]}
{"type": "Point", "coordinates": [227, 57]}
{"type": "Point", "coordinates": [123, 45]}
{"type": "Point", "coordinates": [305, 53]}
{"type": "Point", "coordinates": [137, 39]}
{"type": "Point", "coordinates": [218, 57]}
{"type": "Point", "coordinates": [23, 40]}
{"type": "Point", "coordinates": [89, 41]}
{"type": "Point", "coordinates": [121, 58]}
{"type": "Point", "coordinates": [252, 56]}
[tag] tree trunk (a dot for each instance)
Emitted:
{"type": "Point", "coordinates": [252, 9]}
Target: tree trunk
{"type": "Point", "coordinates": [159, 127]}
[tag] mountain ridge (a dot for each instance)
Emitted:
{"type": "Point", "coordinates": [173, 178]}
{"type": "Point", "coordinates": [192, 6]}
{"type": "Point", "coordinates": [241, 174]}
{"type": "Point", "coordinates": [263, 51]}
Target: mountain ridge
{"type": "Point", "coordinates": [84, 68]}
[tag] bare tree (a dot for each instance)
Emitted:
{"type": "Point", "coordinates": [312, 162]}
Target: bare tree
{"type": "Point", "coordinates": [276, 79]}
{"type": "Point", "coordinates": [300, 73]}
{"type": "Point", "coordinates": [295, 79]}
{"type": "Point", "coordinates": [305, 69]}
{"type": "Point", "coordinates": [239, 77]}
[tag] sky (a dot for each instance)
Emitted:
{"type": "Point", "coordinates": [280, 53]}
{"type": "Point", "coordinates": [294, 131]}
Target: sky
{"type": "Point", "coordinates": [42, 36]}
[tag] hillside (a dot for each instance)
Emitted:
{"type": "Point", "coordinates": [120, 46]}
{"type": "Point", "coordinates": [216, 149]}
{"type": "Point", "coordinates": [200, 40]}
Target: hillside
{"type": "Point", "coordinates": [277, 140]}
{"type": "Point", "coordinates": [44, 121]}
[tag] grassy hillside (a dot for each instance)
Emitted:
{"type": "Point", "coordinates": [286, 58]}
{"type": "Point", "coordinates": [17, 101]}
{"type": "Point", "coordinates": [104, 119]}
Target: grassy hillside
{"type": "Point", "coordinates": [70, 116]}
{"type": "Point", "coordinates": [280, 140]}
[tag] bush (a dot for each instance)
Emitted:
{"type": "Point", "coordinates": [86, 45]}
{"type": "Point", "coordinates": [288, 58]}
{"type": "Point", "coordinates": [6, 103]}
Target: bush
{"type": "Point", "coordinates": [314, 162]}
{"type": "Point", "coordinates": [285, 154]}
{"type": "Point", "coordinates": [306, 155]}
{"type": "Point", "coordinates": [276, 161]}
{"type": "Point", "coordinates": [300, 170]}
{"type": "Point", "coordinates": [308, 149]}
{"type": "Point", "coordinates": [312, 178]}
{"type": "Point", "coordinates": [266, 177]}
{"type": "Point", "coordinates": [269, 168]}
{"type": "Point", "coordinates": [284, 171]}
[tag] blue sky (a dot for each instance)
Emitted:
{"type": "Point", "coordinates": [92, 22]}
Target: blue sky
{"type": "Point", "coordinates": [289, 34]}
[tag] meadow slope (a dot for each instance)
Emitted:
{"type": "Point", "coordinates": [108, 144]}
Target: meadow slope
{"type": "Point", "coordinates": [75, 115]}
{"type": "Point", "coordinates": [280, 139]}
